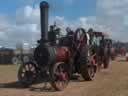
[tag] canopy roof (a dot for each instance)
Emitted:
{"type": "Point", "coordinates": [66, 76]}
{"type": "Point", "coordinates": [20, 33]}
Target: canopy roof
{"type": "Point", "coordinates": [99, 34]}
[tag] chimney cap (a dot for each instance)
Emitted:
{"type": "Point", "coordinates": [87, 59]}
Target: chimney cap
{"type": "Point", "coordinates": [44, 4]}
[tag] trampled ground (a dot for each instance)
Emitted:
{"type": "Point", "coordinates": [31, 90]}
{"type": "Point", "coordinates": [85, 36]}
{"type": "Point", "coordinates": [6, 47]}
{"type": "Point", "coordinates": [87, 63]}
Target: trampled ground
{"type": "Point", "coordinates": [111, 82]}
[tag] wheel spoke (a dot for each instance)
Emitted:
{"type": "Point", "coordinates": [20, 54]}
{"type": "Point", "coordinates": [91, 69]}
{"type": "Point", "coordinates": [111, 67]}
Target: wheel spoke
{"type": "Point", "coordinates": [91, 71]}
{"type": "Point", "coordinates": [32, 69]}
{"type": "Point", "coordinates": [22, 74]}
{"type": "Point", "coordinates": [27, 68]}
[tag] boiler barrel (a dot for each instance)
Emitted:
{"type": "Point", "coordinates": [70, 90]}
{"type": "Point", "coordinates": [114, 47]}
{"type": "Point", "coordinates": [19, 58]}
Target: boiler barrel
{"type": "Point", "coordinates": [50, 55]}
{"type": "Point", "coordinates": [44, 6]}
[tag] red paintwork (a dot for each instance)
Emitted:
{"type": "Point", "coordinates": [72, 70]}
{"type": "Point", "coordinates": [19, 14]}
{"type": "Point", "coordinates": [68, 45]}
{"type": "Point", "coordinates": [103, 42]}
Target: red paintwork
{"type": "Point", "coordinates": [113, 50]}
{"type": "Point", "coordinates": [92, 61]}
{"type": "Point", "coordinates": [62, 76]}
{"type": "Point", "coordinates": [122, 50]}
{"type": "Point", "coordinates": [62, 53]}
{"type": "Point", "coordinates": [126, 56]}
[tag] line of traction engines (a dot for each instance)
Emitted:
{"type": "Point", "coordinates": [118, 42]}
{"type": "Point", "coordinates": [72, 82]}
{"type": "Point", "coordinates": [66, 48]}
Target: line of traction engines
{"type": "Point", "coordinates": [58, 62]}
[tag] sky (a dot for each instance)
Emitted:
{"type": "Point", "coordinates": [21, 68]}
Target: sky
{"type": "Point", "coordinates": [70, 9]}
{"type": "Point", "coordinates": [20, 19]}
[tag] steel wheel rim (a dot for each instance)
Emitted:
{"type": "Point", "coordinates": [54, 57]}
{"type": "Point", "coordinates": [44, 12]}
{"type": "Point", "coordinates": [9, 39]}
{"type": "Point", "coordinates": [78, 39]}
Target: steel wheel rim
{"type": "Point", "coordinates": [61, 84]}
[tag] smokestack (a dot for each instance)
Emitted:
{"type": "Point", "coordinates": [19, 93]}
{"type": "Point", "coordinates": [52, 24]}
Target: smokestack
{"type": "Point", "coordinates": [44, 6]}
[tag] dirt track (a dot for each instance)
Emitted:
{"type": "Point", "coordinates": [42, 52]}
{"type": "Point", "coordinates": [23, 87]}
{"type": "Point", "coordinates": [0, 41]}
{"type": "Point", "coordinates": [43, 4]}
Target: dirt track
{"type": "Point", "coordinates": [112, 82]}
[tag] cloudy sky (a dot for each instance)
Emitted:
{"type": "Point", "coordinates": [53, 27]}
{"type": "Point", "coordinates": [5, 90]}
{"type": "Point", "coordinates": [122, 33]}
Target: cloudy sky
{"type": "Point", "coordinates": [20, 19]}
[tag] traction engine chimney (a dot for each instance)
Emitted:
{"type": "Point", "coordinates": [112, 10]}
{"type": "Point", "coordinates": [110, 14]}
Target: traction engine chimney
{"type": "Point", "coordinates": [44, 6]}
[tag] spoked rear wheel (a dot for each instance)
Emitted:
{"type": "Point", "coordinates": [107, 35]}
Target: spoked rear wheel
{"type": "Point", "coordinates": [99, 65]}
{"type": "Point", "coordinates": [59, 74]}
{"type": "Point", "coordinates": [27, 74]}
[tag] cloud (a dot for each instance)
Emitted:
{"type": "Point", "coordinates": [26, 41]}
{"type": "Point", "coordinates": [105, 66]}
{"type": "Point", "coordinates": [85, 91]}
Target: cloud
{"type": "Point", "coordinates": [112, 17]}
{"type": "Point", "coordinates": [26, 27]}
{"type": "Point", "coordinates": [113, 14]}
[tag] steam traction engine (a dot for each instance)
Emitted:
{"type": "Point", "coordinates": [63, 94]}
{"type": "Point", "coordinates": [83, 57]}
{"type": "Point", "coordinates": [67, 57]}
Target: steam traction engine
{"type": "Point", "coordinates": [126, 56]}
{"type": "Point", "coordinates": [113, 53]}
{"type": "Point", "coordinates": [104, 52]}
{"type": "Point", "coordinates": [56, 62]}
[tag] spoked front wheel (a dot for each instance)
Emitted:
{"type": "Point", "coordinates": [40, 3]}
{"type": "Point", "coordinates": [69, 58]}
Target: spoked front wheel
{"type": "Point", "coordinates": [88, 72]}
{"type": "Point", "coordinates": [27, 74]}
{"type": "Point", "coordinates": [87, 65]}
{"type": "Point", "coordinates": [59, 74]}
